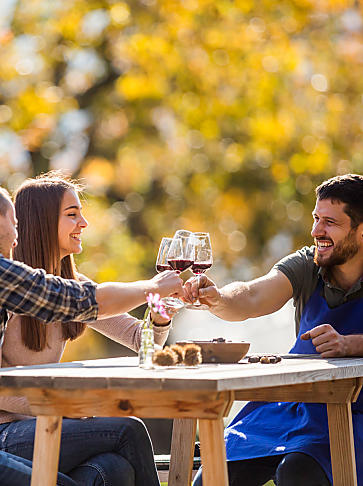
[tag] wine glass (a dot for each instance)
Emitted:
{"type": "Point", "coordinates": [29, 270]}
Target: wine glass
{"type": "Point", "coordinates": [162, 258]}
{"type": "Point", "coordinates": [181, 252]}
{"type": "Point", "coordinates": [162, 265]}
{"type": "Point", "coordinates": [203, 259]}
{"type": "Point", "coordinates": [182, 233]}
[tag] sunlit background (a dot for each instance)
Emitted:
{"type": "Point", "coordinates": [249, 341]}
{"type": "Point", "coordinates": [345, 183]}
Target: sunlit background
{"type": "Point", "coordinates": [210, 115]}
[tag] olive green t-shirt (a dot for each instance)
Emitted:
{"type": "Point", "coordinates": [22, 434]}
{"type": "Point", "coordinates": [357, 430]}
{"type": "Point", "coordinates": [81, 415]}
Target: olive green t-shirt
{"type": "Point", "coordinates": [304, 274]}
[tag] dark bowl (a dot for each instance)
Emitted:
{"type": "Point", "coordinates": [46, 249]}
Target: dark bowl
{"type": "Point", "coordinates": [220, 352]}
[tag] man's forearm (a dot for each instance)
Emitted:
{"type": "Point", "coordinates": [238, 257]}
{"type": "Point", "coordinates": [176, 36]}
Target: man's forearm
{"type": "Point", "coordinates": [115, 298]}
{"type": "Point", "coordinates": [354, 345]}
{"type": "Point", "coordinates": [239, 301]}
{"type": "Point", "coordinates": [234, 302]}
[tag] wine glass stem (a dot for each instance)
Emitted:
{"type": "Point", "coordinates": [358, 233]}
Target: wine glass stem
{"type": "Point", "coordinates": [197, 301]}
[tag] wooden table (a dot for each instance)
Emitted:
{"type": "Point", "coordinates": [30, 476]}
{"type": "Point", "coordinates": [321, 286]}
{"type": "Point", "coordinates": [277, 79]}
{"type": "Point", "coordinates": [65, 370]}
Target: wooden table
{"type": "Point", "coordinates": [117, 387]}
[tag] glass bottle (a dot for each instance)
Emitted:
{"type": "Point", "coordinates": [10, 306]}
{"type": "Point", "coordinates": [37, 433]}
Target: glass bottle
{"type": "Point", "coordinates": [147, 348]}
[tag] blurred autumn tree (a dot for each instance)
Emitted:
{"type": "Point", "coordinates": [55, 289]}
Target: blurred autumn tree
{"type": "Point", "coordinates": [212, 115]}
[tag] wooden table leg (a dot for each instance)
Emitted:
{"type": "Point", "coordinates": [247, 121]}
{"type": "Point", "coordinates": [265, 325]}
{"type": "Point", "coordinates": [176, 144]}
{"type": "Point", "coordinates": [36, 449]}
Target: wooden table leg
{"type": "Point", "coordinates": [342, 444]}
{"type": "Point", "coordinates": [213, 452]}
{"type": "Point", "coordinates": [46, 450]}
{"type": "Point", "coordinates": [182, 452]}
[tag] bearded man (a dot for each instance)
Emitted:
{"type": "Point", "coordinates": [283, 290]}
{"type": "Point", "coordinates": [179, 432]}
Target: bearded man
{"type": "Point", "coordinates": [289, 442]}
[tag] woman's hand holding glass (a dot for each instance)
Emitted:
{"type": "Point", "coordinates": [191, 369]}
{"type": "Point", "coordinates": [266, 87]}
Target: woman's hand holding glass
{"type": "Point", "coordinates": [172, 304]}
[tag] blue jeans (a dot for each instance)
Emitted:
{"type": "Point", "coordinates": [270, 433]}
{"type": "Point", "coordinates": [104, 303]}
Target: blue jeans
{"type": "Point", "coordinates": [97, 451]}
{"type": "Point", "coordinates": [16, 471]}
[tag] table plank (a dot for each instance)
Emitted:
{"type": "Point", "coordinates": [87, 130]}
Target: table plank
{"type": "Point", "coordinates": [116, 373]}
{"type": "Point", "coordinates": [121, 403]}
{"type": "Point", "coordinates": [336, 391]}
{"type": "Point", "coordinates": [220, 377]}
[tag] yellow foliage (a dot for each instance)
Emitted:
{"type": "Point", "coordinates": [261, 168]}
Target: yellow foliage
{"type": "Point", "coordinates": [69, 25]}
{"type": "Point", "coordinates": [209, 128]}
{"type": "Point", "coordinates": [233, 203]}
{"type": "Point", "coordinates": [270, 129]}
{"type": "Point", "coordinates": [98, 172]}
{"type": "Point", "coordinates": [134, 86]}
{"type": "Point", "coordinates": [280, 172]}
{"type": "Point", "coordinates": [334, 5]}
{"type": "Point", "coordinates": [198, 112]}
{"type": "Point", "coordinates": [131, 171]}
{"type": "Point", "coordinates": [120, 13]}
{"type": "Point", "coordinates": [28, 105]}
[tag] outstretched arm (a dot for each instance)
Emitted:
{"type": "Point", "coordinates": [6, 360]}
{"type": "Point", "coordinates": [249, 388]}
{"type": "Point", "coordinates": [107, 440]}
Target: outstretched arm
{"type": "Point", "coordinates": [29, 291]}
{"type": "Point", "coordinates": [116, 298]}
{"type": "Point", "coordinates": [238, 301]}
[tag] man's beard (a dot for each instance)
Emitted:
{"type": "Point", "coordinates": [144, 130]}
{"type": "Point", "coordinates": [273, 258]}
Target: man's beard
{"type": "Point", "coordinates": [343, 251]}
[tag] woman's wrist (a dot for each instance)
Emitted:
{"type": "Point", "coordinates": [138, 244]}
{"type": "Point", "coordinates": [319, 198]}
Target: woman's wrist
{"type": "Point", "coordinates": [163, 324]}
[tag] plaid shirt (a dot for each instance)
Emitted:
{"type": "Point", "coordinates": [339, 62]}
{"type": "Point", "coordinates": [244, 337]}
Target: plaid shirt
{"type": "Point", "coordinates": [24, 290]}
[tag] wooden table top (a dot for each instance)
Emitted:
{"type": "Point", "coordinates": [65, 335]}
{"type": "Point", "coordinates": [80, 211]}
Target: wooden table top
{"type": "Point", "coordinates": [124, 373]}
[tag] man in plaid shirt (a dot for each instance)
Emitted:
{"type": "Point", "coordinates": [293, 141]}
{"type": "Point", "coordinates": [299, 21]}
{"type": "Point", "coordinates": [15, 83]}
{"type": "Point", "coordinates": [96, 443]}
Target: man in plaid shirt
{"type": "Point", "coordinates": [28, 291]}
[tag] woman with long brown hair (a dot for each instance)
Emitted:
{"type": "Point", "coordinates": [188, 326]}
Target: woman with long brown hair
{"type": "Point", "coordinates": [94, 451]}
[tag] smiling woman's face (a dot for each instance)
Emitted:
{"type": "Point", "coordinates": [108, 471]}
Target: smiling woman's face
{"type": "Point", "coordinates": [71, 224]}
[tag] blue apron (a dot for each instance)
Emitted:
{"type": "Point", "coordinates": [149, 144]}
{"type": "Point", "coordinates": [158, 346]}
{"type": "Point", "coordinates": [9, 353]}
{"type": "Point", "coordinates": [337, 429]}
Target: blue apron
{"type": "Point", "coordinates": [267, 429]}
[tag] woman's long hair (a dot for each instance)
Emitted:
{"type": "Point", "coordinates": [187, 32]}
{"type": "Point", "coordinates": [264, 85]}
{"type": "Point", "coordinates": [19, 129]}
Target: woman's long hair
{"type": "Point", "coordinates": [37, 205]}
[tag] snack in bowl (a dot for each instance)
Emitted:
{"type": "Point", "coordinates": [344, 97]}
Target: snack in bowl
{"type": "Point", "coordinates": [265, 359]}
{"type": "Point", "coordinates": [219, 350]}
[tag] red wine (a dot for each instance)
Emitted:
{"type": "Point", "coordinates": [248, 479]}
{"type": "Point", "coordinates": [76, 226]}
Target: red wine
{"type": "Point", "coordinates": [198, 268]}
{"type": "Point", "coordinates": [162, 268]}
{"type": "Point", "coordinates": [179, 264]}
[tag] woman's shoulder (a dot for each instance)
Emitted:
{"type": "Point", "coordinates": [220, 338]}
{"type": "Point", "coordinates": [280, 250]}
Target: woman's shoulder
{"type": "Point", "coordinates": [83, 278]}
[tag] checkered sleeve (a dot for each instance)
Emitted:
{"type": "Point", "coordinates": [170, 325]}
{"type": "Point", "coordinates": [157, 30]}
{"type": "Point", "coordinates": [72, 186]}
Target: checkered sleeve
{"type": "Point", "coordinates": [24, 290]}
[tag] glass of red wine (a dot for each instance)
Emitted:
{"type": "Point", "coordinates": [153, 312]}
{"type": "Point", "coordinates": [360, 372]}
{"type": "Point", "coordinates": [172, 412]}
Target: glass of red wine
{"type": "Point", "coordinates": [162, 265]}
{"type": "Point", "coordinates": [162, 258]}
{"type": "Point", "coordinates": [203, 260]}
{"type": "Point", "coordinates": [181, 252]}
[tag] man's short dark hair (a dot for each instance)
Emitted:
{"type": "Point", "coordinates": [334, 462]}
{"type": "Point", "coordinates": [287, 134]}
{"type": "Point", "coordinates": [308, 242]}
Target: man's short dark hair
{"type": "Point", "coordinates": [5, 201]}
{"type": "Point", "coordinates": [348, 189]}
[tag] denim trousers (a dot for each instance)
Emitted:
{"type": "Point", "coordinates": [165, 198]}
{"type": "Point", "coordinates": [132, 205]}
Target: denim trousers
{"type": "Point", "coordinates": [95, 451]}
{"type": "Point", "coordinates": [16, 471]}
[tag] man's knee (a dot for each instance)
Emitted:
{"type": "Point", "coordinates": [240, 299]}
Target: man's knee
{"type": "Point", "coordinates": [298, 469]}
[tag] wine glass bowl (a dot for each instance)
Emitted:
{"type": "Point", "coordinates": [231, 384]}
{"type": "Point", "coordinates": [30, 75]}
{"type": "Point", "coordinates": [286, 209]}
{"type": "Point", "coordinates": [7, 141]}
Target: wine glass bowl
{"type": "Point", "coordinates": [203, 260]}
{"type": "Point", "coordinates": [162, 265]}
{"type": "Point", "coordinates": [162, 258]}
{"type": "Point", "coordinates": [181, 253]}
